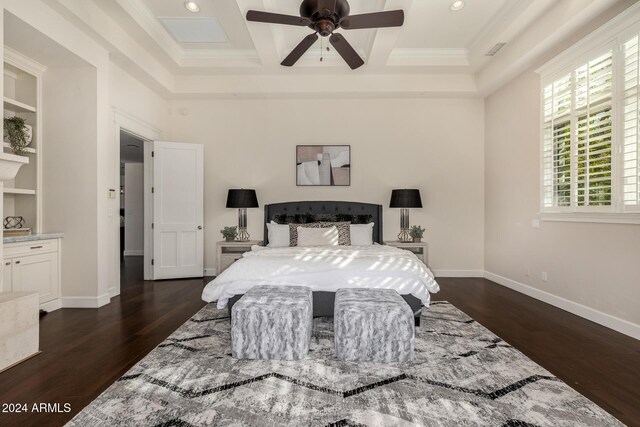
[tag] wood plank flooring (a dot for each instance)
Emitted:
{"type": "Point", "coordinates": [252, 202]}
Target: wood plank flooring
{"type": "Point", "coordinates": [85, 350]}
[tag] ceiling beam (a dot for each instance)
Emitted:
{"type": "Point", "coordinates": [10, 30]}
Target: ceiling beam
{"type": "Point", "coordinates": [385, 39]}
{"type": "Point", "coordinates": [261, 34]}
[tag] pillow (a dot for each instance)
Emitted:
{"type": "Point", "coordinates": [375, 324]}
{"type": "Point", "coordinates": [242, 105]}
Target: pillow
{"type": "Point", "coordinates": [293, 231]}
{"type": "Point", "coordinates": [344, 232]}
{"type": "Point", "coordinates": [361, 234]}
{"type": "Point", "coordinates": [278, 235]}
{"type": "Point", "coordinates": [327, 236]}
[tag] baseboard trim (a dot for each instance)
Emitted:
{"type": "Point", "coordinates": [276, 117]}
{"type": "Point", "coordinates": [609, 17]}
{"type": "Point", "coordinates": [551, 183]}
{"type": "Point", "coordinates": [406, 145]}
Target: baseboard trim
{"type": "Point", "coordinates": [51, 305]}
{"type": "Point", "coordinates": [458, 273]}
{"type": "Point", "coordinates": [133, 252]}
{"type": "Point", "coordinates": [604, 319]}
{"type": "Point", "coordinates": [209, 272]}
{"type": "Point", "coordinates": [114, 292]}
{"type": "Point", "coordinates": [85, 302]}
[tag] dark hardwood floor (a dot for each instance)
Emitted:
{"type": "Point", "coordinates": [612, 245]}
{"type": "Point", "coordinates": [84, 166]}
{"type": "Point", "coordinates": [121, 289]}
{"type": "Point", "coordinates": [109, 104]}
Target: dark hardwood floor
{"type": "Point", "coordinates": [598, 362]}
{"type": "Point", "coordinates": [85, 350]}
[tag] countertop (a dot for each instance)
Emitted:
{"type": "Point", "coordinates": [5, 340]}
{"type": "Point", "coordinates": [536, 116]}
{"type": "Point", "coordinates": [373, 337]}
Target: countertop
{"type": "Point", "coordinates": [33, 237]}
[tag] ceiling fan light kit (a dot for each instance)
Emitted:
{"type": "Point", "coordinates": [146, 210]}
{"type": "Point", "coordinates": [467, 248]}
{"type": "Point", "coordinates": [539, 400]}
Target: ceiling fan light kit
{"type": "Point", "coordinates": [324, 17]}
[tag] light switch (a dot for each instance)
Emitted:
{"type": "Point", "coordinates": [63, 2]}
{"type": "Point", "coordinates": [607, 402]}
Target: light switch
{"type": "Point", "coordinates": [112, 193]}
{"type": "Point", "coordinates": [535, 223]}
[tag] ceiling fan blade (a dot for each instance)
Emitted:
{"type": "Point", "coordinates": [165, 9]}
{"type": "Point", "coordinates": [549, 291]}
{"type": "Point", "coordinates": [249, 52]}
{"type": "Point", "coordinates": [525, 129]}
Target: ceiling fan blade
{"type": "Point", "coordinates": [299, 50]}
{"type": "Point", "coordinates": [276, 18]}
{"type": "Point", "coordinates": [392, 18]}
{"type": "Point", "coordinates": [345, 50]}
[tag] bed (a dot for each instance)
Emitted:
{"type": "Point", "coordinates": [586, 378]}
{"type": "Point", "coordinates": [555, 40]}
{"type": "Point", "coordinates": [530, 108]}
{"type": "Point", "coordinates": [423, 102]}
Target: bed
{"type": "Point", "coordinates": [325, 269]}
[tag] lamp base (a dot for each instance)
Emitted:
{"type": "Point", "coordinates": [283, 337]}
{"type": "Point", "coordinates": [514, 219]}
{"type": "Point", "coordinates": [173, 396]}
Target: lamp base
{"type": "Point", "coordinates": [243, 236]}
{"type": "Point", "coordinates": [404, 236]}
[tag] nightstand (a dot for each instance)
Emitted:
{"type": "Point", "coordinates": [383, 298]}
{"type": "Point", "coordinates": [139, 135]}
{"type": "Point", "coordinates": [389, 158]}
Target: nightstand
{"type": "Point", "coordinates": [420, 249]}
{"type": "Point", "coordinates": [229, 252]}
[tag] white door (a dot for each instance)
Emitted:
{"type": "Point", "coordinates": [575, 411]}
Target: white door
{"type": "Point", "coordinates": [178, 181]}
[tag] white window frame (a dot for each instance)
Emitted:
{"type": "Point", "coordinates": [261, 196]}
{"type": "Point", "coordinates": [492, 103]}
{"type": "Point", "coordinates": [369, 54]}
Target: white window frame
{"type": "Point", "coordinates": [610, 36]}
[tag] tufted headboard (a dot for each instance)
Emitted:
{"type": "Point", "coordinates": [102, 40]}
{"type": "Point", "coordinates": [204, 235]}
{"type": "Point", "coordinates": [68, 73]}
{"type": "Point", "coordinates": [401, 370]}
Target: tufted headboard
{"type": "Point", "coordinates": [305, 212]}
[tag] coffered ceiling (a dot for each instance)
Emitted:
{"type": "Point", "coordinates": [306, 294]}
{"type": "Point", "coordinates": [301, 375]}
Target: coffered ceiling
{"type": "Point", "coordinates": [436, 52]}
{"type": "Point", "coordinates": [433, 36]}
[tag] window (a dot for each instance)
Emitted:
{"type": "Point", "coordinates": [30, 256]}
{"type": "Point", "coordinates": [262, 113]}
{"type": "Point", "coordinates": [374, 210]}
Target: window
{"type": "Point", "coordinates": [631, 142]}
{"type": "Point", "coordinates": [590, 128]}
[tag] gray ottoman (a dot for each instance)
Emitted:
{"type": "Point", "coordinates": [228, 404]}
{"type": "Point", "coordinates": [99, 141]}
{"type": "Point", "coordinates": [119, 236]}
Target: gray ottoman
{"type": "Point", "coordinates": [272, 322]}
{"type": "Point", "coordinates": [373, 325]}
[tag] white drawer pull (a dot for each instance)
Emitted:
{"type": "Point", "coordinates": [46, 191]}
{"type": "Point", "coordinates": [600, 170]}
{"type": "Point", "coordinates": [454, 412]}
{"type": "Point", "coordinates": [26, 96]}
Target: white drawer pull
{"type": "Point", "coordinates": [37, 247]}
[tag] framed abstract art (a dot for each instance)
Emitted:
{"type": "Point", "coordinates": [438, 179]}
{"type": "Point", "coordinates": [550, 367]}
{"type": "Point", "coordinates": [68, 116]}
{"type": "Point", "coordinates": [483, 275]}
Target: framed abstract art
{"type": "Point", "coordinates": [323, 165]}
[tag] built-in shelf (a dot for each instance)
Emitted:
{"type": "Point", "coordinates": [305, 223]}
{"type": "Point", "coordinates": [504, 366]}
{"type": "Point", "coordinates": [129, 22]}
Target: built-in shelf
{"type": "Point", "coordinates": [27, 191]}
{"type": "Point", "coordinates": [17, 106]}
{"type": "Point", "coordinates": [27, 149]}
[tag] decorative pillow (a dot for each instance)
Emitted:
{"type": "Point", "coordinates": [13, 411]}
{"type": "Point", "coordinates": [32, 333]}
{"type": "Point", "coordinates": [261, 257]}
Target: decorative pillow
{"type": "Point", "coordinates": [278, 235]}
{"type": "Point", "coordinates": [293, 231]}
{"type": "Point", "coordinates": [344, 232]}
{"type": "Point", "coordinates": [327, 236]}
{"type": "Point", "coordinates": [361, 234]}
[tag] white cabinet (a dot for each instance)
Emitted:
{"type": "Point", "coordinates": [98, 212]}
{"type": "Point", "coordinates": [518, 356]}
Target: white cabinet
{"type": "Point", "coordinates": [6, 281]}
{"type": "Point", "coordinates": [34, 267]}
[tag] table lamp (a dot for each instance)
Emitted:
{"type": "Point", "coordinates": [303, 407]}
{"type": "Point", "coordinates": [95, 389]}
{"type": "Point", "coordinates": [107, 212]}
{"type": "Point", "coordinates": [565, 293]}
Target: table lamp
{"type": "Point", "coordinates": [242, 199]}
{"type": "Point", "coordinates": [405, 199]}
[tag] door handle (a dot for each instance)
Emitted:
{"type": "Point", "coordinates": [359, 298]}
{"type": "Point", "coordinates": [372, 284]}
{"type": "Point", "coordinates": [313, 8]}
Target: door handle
{"type": "Point", "coordinates": [199, 227]}
{"type": "Point", "coordinates": [17, 262]}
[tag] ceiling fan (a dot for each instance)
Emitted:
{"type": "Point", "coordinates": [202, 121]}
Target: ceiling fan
{"type": "Point", "coordinates": [324, 17]}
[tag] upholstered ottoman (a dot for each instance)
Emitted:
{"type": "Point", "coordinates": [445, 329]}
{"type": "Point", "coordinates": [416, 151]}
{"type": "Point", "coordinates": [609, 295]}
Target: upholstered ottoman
{"type": "Point", "coordinates": [373, 325]}
{"type": "Point", "coordinates": [272, 322]}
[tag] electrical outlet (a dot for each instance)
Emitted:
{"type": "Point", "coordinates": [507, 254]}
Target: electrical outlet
{"type": "Point", "coordinates": [527, 273]}
{"type": "Point", "coordinates": [535, 224]}
{"type": "Point", "coordinates": [544, 276]}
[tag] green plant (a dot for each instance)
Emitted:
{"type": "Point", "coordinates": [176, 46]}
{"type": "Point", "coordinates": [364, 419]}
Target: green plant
{"type": "Point", "coordinates": [416, 232]}
{"type": "Point", "coordinates": [16, 132]}
{"type": "Point", "coordinates": [229, 233]}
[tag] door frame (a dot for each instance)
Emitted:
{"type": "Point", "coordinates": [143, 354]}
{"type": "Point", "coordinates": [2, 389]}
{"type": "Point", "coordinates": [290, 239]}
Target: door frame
{"type": "Point", "coordinates": [131, 124]}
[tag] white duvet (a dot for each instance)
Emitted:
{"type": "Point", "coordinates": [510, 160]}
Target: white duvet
{"type": "Point", "coordinates": [325, 269]}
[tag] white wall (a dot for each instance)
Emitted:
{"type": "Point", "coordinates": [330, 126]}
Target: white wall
{"type": "Point", "coordinates": [394, 144]}
{"type": "Point", "coordinates": [68, 176]}
{"type": "Point", "coordinates": [595, 265]}
{"type": "Point", "coordinates": [133, 209]}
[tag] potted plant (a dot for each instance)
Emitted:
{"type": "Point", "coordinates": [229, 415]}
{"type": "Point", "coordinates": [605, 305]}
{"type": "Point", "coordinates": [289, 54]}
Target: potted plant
{"type": "Point", "coordinates": [229, 233]}
{"type": "Point", "coordinates": [18, 133]}
{"type": "Point", "coordinates": [416, 232]}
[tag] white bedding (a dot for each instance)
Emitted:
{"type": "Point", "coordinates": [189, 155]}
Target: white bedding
{"type": "Point", "coordinates": [325, 269]}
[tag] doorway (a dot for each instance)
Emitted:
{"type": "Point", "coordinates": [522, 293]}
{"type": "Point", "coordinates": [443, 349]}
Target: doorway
{"type": "Point", "coordinates": [131, 247]}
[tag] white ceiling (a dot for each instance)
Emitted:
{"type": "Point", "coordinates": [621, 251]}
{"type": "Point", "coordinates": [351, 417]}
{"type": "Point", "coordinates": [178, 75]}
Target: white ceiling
{"type": "Point", "coordinates": [436, 52]}
{"type": "Point", "coordinates": [433, 38]}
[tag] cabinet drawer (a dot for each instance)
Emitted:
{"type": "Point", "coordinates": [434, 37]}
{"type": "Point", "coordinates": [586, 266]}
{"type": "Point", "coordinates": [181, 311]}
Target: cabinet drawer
{"type": "Point", "coordinates": [12, 250]}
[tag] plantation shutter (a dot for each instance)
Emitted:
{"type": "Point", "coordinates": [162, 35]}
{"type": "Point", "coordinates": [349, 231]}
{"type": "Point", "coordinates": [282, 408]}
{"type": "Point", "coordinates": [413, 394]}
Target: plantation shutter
{"type": "Point", "coordinates": [593, 99]}
{"type": "Point", "coordinates": [557, 143]}
{"type": "Point", "coordinates": [631, 141]}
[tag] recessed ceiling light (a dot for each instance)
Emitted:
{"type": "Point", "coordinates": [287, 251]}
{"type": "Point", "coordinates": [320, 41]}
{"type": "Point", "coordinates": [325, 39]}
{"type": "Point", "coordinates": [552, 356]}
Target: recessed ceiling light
{"type": "Point", "coordinates": [192, 6]}
{"type": "Point", "coordinates": [456, 5]}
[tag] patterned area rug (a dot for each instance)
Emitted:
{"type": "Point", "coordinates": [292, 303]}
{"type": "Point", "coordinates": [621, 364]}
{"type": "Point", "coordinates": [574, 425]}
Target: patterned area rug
{"type": "Point", "coordinates": [462, 375]}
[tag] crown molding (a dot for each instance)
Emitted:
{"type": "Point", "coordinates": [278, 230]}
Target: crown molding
{"type": "Point", "coordinates": [429, 57]}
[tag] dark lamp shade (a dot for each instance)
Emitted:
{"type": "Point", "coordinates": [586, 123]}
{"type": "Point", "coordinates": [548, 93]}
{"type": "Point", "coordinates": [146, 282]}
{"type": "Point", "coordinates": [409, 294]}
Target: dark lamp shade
{"type": "Point", "coordinates": [405, 198]}
{"type": "Point", "coordinates": [242, 199]}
